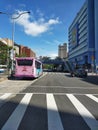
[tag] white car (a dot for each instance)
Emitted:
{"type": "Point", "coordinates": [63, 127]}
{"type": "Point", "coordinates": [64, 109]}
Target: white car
{"type": "Point", "coordinates": [2, 70]}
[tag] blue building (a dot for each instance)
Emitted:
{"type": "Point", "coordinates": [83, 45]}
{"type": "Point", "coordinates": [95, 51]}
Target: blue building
{"type": "Point", "coordinates": [83, 36]}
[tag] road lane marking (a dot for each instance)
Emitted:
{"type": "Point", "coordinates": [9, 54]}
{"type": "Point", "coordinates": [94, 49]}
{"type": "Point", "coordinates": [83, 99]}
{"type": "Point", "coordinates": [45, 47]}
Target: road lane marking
{"type": "Point", "coordinates": [6, 95]}
{"type": "Point", "coordinates": [39, 86]}
{"type": "Point", "coordinates": [92, 97]}
{"type": "Point", "coordinates": [16, 117]}
{"type": "Point", "coordinates": [54, 121]}
{"type": "Point", "coordinates": [86, 115]}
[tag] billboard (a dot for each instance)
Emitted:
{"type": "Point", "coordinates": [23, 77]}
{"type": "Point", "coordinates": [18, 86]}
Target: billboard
{"type": "Point", "coordinates": [74, 42]}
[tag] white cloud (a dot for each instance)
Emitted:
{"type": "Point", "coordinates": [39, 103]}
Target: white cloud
{"type": "Point", "coordinates": [53, 55]}
{"type": "Point", "coordinates": [53, 21]}
{"type": "Point", "coordinates": [35, 27]}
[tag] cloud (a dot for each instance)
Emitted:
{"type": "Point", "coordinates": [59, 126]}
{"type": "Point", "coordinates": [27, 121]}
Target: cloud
{"type": "Point", "coordinates": [52, 42]}
{"type": "Point", "coordinates": [53, 55]}
{"type": "Point", "coordinates": [35, 27]}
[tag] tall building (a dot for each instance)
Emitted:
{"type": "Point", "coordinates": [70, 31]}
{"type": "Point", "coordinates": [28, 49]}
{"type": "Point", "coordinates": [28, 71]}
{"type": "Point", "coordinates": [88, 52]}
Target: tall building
{"type": "Point", "coordinates": [83, 36]}
{"type": "Point", "coordinates": [62, 51]}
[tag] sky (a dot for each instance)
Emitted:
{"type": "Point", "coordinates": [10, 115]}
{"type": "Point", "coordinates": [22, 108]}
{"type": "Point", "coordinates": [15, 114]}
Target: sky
{"type": "Point", "coordinates": [44, 28]}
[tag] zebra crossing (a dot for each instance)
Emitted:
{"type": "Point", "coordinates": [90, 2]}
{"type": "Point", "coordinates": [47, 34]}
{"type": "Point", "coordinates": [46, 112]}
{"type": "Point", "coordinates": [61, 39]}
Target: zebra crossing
{"type": "Point", "coordinates": [32, 111]}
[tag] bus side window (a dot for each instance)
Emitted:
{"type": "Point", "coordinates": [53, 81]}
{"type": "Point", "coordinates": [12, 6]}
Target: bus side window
{"type": "Point", "coordinates": [37, 65]}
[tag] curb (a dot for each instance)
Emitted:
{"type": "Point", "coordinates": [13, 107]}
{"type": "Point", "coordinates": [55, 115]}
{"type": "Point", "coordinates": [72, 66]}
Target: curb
{"type": "Point", "coordinates": [3, 78]}
{"type": "Point", "coordinates": [92, 74]}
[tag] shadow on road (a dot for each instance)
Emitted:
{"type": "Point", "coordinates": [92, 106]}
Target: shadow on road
{"type": "Point", "coordinates": [19, 79]}
{"type": "Point", "coordinates": [93, 79]}
{"type": "Point", "coordinates": [36, 115]}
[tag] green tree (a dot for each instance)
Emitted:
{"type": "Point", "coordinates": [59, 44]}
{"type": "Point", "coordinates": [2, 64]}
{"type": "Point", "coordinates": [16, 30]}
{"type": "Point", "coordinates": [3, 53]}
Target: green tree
{"type": "Point", "coordinates": [4, 54]}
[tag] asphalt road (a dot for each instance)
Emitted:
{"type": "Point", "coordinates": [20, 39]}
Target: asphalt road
{"type": "Point", "coordinates": [55, 101]}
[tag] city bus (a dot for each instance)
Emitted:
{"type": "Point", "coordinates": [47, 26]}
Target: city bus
{"type": "Point", "coordinates": [27, 67]}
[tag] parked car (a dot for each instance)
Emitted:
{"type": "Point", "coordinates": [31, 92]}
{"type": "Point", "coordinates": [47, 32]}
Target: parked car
{"type": "Point", "coordinates": [2, 70]}
{"type": "Point", "coordinates": [79, 73]}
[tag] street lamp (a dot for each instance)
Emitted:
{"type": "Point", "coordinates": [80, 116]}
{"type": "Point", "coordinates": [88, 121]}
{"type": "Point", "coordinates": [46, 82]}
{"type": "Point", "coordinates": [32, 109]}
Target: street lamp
{"type": "Point", "coordinates": [13, 29]}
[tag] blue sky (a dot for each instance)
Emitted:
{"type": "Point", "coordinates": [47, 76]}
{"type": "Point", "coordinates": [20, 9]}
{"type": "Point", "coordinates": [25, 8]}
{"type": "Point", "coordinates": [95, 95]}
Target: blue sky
{"type": "Point", "coordinates": [44, 28]}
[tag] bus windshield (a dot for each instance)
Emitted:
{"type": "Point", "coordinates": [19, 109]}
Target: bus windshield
{"type": "Point", "coordinates": [24, 62]}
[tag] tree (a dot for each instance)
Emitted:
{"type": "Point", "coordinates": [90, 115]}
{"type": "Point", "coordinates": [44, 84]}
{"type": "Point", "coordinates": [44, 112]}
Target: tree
{"type": "Point", "coordinates": [4, 54]}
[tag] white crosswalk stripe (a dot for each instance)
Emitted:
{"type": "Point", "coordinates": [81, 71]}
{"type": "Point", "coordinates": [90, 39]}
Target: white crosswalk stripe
{"type": "Point", "coordinates": [15, 119]}
{"type": "Point", "coordinates": [54, 118]}
{"type": "Point", "coordinates": [87, 116]}
{"type": "Point", "coordinates": [92, 97]}
{"type": "Point", "coordinates": [54, 122]}
{"type": "Point", "coordinates": [5, 96]}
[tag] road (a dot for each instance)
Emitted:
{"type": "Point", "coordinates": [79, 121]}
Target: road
{"type": "Point", "coordinates": [55, 101]}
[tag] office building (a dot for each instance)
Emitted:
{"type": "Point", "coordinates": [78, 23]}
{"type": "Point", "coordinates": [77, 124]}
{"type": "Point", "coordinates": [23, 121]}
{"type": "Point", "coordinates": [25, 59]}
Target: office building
{"type": "Point", "coordinates": [83, 36]}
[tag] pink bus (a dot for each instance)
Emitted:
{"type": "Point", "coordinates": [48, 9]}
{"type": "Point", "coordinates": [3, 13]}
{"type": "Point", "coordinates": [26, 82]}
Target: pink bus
{"type": "Point", "coordinates": [27, 67]}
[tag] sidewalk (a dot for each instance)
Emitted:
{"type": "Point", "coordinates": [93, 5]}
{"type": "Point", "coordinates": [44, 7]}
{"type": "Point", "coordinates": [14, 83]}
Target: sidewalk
{"type": "Point", "coordinates": [92, 74]}
{"type": "Point", "coordinates": [3, 77]}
